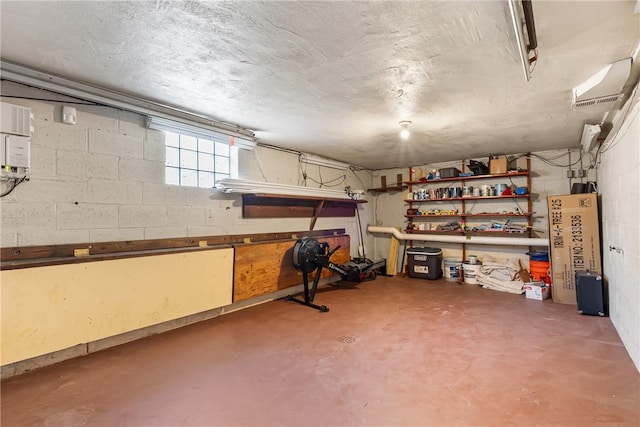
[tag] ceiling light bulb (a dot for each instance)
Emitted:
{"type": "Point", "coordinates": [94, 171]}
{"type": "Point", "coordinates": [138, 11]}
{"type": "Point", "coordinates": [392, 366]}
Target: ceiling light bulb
{"type": "Point", "coordinates": [404, 133]}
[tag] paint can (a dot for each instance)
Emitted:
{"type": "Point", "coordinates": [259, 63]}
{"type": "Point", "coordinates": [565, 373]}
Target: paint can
{"type": "Point", "coordinates": [469, 272]}
{"type": "Point", "coordinates": [500, 188]}
{"type": "Point", "coordinates": [452, 268]}
{"type": "Point", "coordinates": [467, 191]}
{"type": "Point", "coordinates": [485, 190]}
{"type": "Point", "coordinates": [476, 192]}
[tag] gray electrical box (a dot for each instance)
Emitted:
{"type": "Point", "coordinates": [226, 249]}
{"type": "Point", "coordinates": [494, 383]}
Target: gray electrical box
{"type": "Point", "coordinates": [15, 140]}
{"type": "Point", "coordinates": [15, 151]}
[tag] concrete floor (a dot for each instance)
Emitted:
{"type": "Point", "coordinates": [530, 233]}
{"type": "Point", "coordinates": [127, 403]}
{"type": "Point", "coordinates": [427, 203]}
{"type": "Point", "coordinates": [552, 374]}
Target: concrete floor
{"type": "Point", "coordinates": [392, 352]}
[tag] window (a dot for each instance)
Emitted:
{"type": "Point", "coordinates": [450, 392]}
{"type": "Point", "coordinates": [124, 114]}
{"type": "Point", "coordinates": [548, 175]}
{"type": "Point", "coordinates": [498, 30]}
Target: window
{"type": "Point", "coordinates": [197, 162]}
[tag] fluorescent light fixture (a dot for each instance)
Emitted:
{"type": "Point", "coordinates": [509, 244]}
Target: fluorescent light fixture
{"type": "Point", "coordinates": [241, 186]}
{"type": "Point", "coordinates": [321, 161]}
{"type": "Point", "coordinates": [524, 47]}
{"type": "Point", "coordinates": [589, 134]}
{"type": "Point", "coordinates": [31, 77]}
{"type": "Point", "coordinates": [159, 123]}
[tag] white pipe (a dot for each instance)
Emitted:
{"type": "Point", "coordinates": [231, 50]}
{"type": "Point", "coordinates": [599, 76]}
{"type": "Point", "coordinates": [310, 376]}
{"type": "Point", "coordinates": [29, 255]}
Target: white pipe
{"type": "Point", "coordinates": [476, 240]}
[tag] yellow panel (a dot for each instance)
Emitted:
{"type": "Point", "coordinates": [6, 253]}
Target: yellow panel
{"type": "Point", "coordinates": [45, 309]}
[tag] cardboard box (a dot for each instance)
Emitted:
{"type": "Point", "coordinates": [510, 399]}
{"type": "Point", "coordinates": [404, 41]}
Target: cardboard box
{"type": "Point", "coordinates": [498, 165]}
{"type": "Point", "coordinates": [536, 290]}
{"type": "Point", "coordinates": [574, 233]}
{"type": "Point", "coordinates": [519, 164]}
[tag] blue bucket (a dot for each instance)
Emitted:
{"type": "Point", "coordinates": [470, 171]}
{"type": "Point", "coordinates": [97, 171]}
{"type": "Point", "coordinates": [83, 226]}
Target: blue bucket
{"type": "Point", "coordinates": [538, 256]}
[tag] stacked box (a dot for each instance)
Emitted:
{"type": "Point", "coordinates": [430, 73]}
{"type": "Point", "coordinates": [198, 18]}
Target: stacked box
{"type": "Point", "coordinates": [498, 166]}
{"type": "Point", "coordinates": [536, 290]}
{"type": "Point", "coordinates": [574, 234]}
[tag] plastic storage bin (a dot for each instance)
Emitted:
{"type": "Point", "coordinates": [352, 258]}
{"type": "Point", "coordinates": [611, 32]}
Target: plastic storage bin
{"type": "Point", "coordinates": [425, 263]}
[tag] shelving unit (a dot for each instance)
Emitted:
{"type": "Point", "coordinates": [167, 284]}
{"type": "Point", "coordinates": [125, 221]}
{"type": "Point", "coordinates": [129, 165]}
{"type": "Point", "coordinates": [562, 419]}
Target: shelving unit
{"type": "Point", "coordinates": [460, 205]}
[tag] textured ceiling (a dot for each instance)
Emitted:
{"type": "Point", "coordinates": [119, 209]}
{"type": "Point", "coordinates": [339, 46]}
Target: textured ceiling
{"type": "Point", "coordinates": [335, 78]}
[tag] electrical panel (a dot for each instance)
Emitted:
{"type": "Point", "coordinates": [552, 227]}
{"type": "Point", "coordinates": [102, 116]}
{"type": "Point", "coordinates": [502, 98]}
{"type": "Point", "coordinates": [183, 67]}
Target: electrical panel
{"type": "Point", "coordinates": [16, 127]}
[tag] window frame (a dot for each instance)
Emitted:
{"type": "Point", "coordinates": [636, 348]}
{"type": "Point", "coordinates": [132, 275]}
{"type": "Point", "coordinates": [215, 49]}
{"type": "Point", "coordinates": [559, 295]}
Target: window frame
{"type": "Point", "coordinates": [192, 173]}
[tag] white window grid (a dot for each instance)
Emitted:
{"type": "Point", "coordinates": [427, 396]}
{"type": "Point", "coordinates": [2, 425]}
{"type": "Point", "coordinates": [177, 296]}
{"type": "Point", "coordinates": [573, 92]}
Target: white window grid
{"type": "Point", "coordinates": [195, 162]}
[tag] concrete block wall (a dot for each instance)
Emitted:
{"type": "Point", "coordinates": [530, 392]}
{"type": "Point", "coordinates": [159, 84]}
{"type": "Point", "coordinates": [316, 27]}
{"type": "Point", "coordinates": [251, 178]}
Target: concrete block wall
{"type": "Point", "coordinates": [103, 180]}
{"type": "Point", "coordinates": [619, 180]}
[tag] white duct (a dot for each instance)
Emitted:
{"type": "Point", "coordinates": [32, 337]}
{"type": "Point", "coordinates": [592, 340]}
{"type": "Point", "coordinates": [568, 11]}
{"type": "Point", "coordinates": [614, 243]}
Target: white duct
{"type": "Point", "coordinates": [474, 240]}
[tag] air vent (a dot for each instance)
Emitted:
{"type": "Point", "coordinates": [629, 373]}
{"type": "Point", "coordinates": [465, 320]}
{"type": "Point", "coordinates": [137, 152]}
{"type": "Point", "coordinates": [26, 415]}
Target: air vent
{"type": "Point", "coordinates": [15, 120]}
{"type": "Point", "coordinates": [597, 101]}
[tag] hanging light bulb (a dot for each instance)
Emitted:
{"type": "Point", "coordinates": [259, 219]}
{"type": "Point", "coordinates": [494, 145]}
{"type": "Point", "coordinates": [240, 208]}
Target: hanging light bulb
{"type": "Point", "coordinates": [404, 133]}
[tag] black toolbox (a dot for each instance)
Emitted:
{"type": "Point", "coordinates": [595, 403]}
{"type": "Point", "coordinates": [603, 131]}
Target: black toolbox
{"type": "Point", "coordinates": [449, 172]}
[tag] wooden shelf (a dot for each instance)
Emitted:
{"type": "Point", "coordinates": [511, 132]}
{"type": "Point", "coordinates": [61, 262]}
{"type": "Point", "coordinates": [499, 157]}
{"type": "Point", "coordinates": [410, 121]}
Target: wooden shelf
{"type": "Point", "coordinates": [468, 178]}
{"type": "Point", "coordinates": [384, 188]}
{"type": "Point", "coordinates": [494, 215]}
{"type": "Point", "coordinates": [284, 206]}
{"type": "Point", "coordinates": [434, 216]}
{"type": "Point", "coordinates": [456, 199]}
{"type": "Point", "coordinates": [388, 189]}
{"type": "Point", "coordinates": [472, 215]}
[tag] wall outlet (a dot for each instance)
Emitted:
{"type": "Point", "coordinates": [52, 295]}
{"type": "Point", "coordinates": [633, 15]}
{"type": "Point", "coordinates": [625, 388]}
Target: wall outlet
{"type": "Point", "coordinates": [571, 173]}
{"type": "Point", "coordinates": [582, 173]}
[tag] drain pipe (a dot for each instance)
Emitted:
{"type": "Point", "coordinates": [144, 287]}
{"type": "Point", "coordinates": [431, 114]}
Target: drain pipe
{"type": "Point", "coordinates": [474, 240]}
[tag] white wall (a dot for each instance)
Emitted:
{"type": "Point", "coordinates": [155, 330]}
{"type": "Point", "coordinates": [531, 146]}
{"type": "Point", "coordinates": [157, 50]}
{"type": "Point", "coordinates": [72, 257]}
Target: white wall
{"type": "Point", "coordinates": [619, 180]}
{"type": "Point", "coordinates": [546, 180]}
{"type": "Point", "coordinates": [103, 180]}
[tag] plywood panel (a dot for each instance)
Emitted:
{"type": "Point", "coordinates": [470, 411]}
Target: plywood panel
{"type": "Point", "coordinates": [45, 309]}
{"type": "Point", "coordinates": [262, 268]}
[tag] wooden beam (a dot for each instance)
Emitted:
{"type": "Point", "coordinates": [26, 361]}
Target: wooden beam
{"type": "Point", "coordinates": [392, 261]}
{"type": "Point", "coordinates": [316, 212]}
{"type": "Point", "coordinates": [11, 255]}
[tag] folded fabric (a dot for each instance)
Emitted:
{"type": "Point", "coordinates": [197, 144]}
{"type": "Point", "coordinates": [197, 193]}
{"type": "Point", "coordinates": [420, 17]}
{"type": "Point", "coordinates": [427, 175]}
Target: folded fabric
{"type": "Point", "coordinates": [501, 274]}
{"type": "Point", "coordinates": [512, 263]}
